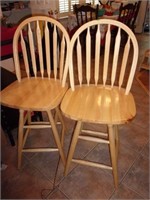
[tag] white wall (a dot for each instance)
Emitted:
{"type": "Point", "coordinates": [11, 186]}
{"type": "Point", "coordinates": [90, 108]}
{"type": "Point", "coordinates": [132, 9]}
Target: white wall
{"type": "Point", "coordinates": [141, 17]}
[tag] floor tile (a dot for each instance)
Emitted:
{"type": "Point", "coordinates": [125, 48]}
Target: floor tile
{"type": "Point", "coordinates": [133, 137]}
{"type": "Point", "coordinates": [145, 151]}
{"type": "Point", "coordinates": [138, 177]}
{"type": "Point", "coordinates": [126, 158]}
{"type": "Point", "coordinates": [87, 183]}
{"type": "Point", "coordinates": [125, 193]}
{"type": "Point", "coordinates": [28, 184]}
{"type": "Point", "coordinates": [57, 194]}
{"type": "Point", "coordinates": [142, 117]}
{"type": "Point", "coordinates": [47, 162]}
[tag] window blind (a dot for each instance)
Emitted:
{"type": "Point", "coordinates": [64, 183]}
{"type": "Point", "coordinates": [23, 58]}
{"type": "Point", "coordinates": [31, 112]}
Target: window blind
{"type": "Point", "coordinates": [66, 6]}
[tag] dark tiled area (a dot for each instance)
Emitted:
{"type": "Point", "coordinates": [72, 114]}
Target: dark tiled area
{"type": "Point", "coordinates": [36, 177]}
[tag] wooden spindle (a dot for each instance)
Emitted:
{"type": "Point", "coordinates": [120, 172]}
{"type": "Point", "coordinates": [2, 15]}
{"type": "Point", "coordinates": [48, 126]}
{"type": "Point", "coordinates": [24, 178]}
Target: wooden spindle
{"type": "Point", "coordinates": [39, 44]}
{"type": "Point", "coordinates": [124, 62]}
{"type": "Point", "coordinates": [132, 70]}
{"type": "Point", "coordinates": [88, 56]}
{"type": "Point", "coordinates": [79, 60]}
{"type": "Point", "coordinates": [16, 60]}
{"type": "Point", "coordinates": [62, 57]}
{"type": "Point", "coordinates": [55, 52]}
{"type": "Point", "coordinates": [97, 54]}
{"type": "Point", "coordinates": [106, 56]}
{"type": "Point", "coordinates": [25, 56]}
{"type": "Point", "coordinates": [47, 48]}
{"type": "Point", "coordinates": [115, 57]}
{"type": "Point", "coordinates": [32, 49]}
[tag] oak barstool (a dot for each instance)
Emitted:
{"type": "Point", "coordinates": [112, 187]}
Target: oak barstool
{"type": "Point", "coordinates": [100, 88]}
{"type": "Point", "coordinates": [40, 88]}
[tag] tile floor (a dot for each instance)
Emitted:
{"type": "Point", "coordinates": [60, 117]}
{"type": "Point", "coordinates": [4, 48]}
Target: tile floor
{"type": "Point", "coordinates": [36, 177]}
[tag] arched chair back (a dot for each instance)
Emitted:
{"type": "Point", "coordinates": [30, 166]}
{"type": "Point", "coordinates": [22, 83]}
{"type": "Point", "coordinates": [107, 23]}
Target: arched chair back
{"type": "Point", "coordinates": [110, 69]}
{"type": "Point", "coordinates": [85, 13]}
{"type": "Point", "coordinates": [44, 44]}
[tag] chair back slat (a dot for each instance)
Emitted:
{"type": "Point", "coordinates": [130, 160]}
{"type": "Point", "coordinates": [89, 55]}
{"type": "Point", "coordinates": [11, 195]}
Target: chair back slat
{"type": "Point", "coordinates": [132, 70]}
{"type": "Point", "coordinates": [55, 53]}
{"type": "Point", "coordinates": [25, 56]}
{"type": "Point", "coordinates": [44, 47]}
{"type": "Point", "coordinates": [124, 62]}
{"type": "Point", "coordinates": [47, 48]}
{"type": "Point", "coordinates": [97, 54]}
{"type": "Point", "coordinates": [88, 56]}
{"type": "Point", "coordinates": [39, 43]}
{"type": "Point", "coordinates": [16, 61]}
{"type": "Point", "coordinates": [32, 49]}
{"type": "Point", "coordinates": [111, 66]}
{"type": "Point", "coordinates": [106, 56]}
{"type": "Point", "coordinates": [79, 60]}
{"type": "Point", "coordinates": [115, 57]}
{"type": "Point", "coordinates": [62, 57]}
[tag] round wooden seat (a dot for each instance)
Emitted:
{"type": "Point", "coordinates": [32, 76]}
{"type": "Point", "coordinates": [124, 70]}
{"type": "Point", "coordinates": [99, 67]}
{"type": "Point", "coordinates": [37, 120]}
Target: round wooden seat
{"type": "Point", "coordinates": [99, 105]}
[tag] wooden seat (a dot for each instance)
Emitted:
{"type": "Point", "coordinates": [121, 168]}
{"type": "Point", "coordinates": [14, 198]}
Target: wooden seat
{"type": "Point", "coordinates": [43, 90]}
{"type": "Point", "coordinates": [100, 89]}
{"type": "Point", "coordinates": [128, 14]}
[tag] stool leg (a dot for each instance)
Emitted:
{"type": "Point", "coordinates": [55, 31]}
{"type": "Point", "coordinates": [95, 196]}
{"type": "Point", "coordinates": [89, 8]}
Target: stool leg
{"type": "Point", "coordinates": [73, 145]}
{"type": "Point", "coordinates": [56, 136]}
{"type": "Point", "coordinates": [116, 140]}
{"type": "Point", "coordinates": [112, 141]}
{"type": "Point", "coordinates": [20, 137]}
{"type": "Point", "coordinates": [63, 125]}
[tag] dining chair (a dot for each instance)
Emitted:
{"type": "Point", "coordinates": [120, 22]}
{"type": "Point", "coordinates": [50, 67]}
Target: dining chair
{"type": "Point", "coordinates": [85, 13]}
{"type": "Point", "coordinates": [43, 90]}
{"type": "Point", "coordinates": [128, 14]}
{"type": "Point", "coordinates": [99, 90]}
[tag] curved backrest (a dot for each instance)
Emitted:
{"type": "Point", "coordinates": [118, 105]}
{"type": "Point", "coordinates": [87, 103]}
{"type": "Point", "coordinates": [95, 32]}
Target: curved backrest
{"type": "Point", "coordinates": [115, 66]}
{"type": "Point", "coordinates": [128, 13]}
{"type": "Point", "coordinates": [85, 13]}
{"type": "Point", "coordinates": [44, 43]}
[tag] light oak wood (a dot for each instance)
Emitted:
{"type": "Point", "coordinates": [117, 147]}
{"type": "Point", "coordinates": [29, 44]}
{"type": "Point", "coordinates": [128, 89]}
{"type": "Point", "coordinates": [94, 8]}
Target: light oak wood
{"type": "Point", "coordinates": [47, 94]}
{"type": "Point", "coordinates": [99, 105]}
{"type": "Point", "coordinates": [99, 90]}
{"type": "Point", "coordinates": [41, 90]}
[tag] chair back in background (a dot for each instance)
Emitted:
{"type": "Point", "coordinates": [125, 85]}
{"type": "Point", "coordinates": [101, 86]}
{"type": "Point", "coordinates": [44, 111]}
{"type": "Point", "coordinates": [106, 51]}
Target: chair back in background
{"type": "Point", "coordinates": [128, 14]}
{"type": "Point", "coordinates": [85, 13]}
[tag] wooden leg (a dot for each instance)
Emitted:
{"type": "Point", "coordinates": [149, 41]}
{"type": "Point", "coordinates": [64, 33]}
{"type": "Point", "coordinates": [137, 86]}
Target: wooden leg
{"type": "Point", "coordinates": [73, 145]}
{"type": "Point", "coordinates": [56, 136]}
{"type": "Point", "coordinates": [63, 125]}
{"type": "Point", "coordinates": [116, 140]}
{"type": "Point", "coordinates": [113, 153]}
{"type": "Point", "coordinates": [56, 116]}
{"type": "Point", "coordinates": [20, 137]}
